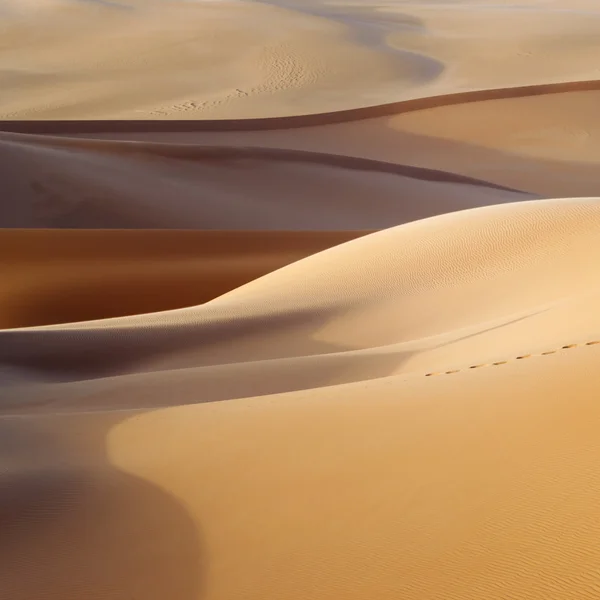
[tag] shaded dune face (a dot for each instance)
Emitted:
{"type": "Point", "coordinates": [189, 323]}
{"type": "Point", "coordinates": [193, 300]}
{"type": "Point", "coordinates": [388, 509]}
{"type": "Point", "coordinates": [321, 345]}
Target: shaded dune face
{"type": "Point", "coordinates": [75, 525]}
{"type": "Point", "coordinates": [412, 159]}
{"type": "Point", "coordinates": [84, 184]}
{"type": "Point", "coordinates": [299, 300]}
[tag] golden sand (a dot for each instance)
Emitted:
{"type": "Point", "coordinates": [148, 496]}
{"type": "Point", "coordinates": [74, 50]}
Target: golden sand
{"type": "Point", "coordinates": [299, 300]}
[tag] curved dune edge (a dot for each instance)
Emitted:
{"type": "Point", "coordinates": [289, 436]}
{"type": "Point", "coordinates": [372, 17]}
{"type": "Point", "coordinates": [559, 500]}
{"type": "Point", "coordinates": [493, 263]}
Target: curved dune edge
{"type": "Point", "coordinates": [363, 310]}
{"type": "Point", "coordinates": [88, 184]}
{"type": "Point", "coordinates": [12, 408]}
{"type": "Point", "coordinates": [480, 487]}
{"type": "Point", "coordinates": [207, 152]}
{"type": "Point", "coordinates": [547, 144]}
{"type": "Point", "coordinates": [309, 120]}
{"type": "Point", "coordinates": [51, 276]}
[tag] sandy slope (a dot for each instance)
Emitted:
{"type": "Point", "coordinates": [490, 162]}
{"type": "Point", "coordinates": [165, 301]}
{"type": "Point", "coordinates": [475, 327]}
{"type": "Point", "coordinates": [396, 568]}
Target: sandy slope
{"type": "Point", "coordinates": [101, 184]}
{"type": "Point", "coordinates": [373, 476]}
{"type": "Point", "coordinates": [314, 315]}
{"type": "Point", "coordinates": [542, 139]}
{"type": "Point", "coordinates": [53, 276]}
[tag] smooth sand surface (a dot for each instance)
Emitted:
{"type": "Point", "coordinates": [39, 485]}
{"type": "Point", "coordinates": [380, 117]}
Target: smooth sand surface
{"type": "Point", "coordinates": [299, 300]}
{"type": "Point", "coordinates": [96, 183]}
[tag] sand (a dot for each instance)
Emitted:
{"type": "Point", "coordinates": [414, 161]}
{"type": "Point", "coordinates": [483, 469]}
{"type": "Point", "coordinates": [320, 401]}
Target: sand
{"type": "Point", "coordinates": [299, 300]}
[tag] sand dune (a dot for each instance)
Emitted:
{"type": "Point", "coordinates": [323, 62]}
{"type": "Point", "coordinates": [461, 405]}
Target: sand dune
{"type": "Point", "coordinates": [477, 452]}
{"type": "Point", "coordinates": [146, 59]}
{"type": "Point", "coordinates": [299, 300]}
{"type": "Point", "coordinates": [135, 59]}
{"type": "Point", "coordinates": [316, 310]}
{"type": "Point", "coordinates": [64, 183]}
{"type": "Point", "coordinates": [54, 276]}
{"type": "Point", "coordinates": [541, 139]}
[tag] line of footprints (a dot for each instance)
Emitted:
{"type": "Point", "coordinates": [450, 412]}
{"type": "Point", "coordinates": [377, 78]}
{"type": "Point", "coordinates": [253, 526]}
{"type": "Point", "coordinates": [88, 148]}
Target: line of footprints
{"type": "Point", "coordinates": [503, 362]}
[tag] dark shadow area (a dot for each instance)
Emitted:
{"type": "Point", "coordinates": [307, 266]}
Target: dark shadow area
{"type": "Point", "coordinates": [162, 389]}
{"type": "Point", "coordinates": [194, 385]}
{"type": "Point", "coordinates": [227, 156]}
{"type": "Point", "coordinates": [89, 184]}
{"type": "Point", "coordinates": [74, 526]}
{"type": "Point", "coordinates": [63, 354]}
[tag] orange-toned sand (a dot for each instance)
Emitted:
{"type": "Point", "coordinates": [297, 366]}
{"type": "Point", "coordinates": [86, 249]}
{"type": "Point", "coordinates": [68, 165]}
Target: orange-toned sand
{"type": "Point", "coordinates": [299, 300]}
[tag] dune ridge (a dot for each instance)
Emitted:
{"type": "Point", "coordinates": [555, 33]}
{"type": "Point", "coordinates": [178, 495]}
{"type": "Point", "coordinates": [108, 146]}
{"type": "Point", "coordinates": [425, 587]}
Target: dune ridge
{"type": "Point", "coordinates": [73, 183]}
{"type": "Point", "coordinates": [309, 120]}
{"type": "Point", "coordinates": [313, 301]}
{"type": "Point", "coordinates": [196, 152]}
{"type": "Point", "coordinates": [531, 153]}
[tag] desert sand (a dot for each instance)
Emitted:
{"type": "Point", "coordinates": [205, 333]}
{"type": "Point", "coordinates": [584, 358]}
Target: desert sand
{"type": "Point", "coordinates": [299, 300]}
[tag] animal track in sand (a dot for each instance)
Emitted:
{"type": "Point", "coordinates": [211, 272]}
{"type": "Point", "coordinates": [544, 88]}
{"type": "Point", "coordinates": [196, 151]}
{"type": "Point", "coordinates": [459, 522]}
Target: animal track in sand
{"type": "Point", "coordinates": [282, 70]}
{"type": "Point", "coordinates": [194, 105]}
{"type": "Point", "coordinates": [520, 357]}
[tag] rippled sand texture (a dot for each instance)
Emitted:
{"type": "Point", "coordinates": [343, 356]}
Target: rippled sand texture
{"type": "Point", "coordinates": [299, 300]}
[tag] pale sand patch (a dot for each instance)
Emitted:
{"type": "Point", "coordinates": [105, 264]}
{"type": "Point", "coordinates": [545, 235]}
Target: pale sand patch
{"type": "Point", "coordinates": [504, 43]}
{"type": "Point", "coordinates": [178, 60]}
{"type": "Point", "coordinates": [239, 59]}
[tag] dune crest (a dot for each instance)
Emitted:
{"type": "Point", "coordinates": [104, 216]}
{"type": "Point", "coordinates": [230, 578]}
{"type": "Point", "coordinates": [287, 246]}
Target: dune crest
{"type": "Point", "coordinates": [318, 319]}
